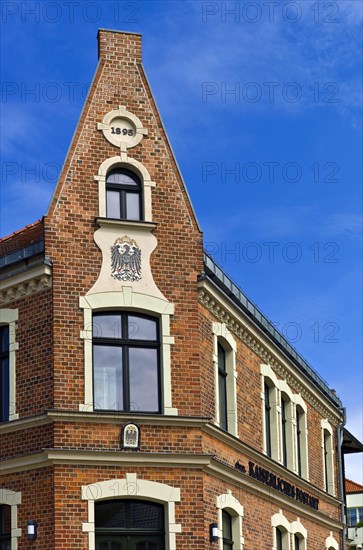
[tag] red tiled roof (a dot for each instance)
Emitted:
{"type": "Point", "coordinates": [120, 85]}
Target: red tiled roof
{"type": "Point", "coordinates": [353, 487]}
{"type": "Point", "coordinates": [21, 238]}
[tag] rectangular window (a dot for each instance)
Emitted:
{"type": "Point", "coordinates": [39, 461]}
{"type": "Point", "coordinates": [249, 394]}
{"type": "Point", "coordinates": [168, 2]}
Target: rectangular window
{"type": "Point", "coordinates": [126, 362]}
{"type": "Point", "coordinates": [4, 373]}
{"type": "Point", "coordinates": [351, 517]}
{"type": "Point", "coordinates": [360, 514]}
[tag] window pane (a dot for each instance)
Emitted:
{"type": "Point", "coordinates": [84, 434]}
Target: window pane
{"type": "Point", "coordinates": [113, 204]}
{"type": "Point", "coordinates": [352, 517]}
{"type": "Point", "coordinates": [227, 526]}
{"type": "Point", "coordinates": [5, 519]}
{"type": "Point", "coordinates": [140, 328]}
{"type": "Point", "coordinates": [297, 543]}
{"type": "Point", "coordinates": [143, 367]}
{"type": "Point", "coordinates": [278, 539]}
{"type": "Point", "coordinates": [4, 339]}
{"type": "Point", "coordinates": [222, 389]}
{"type": "Point", "coordinates": [132, 206]}
{"type": "Point", "coordinates": [144, 515]}
{"type": "Point", "coordinates": [107, 326]}
{"type": "Point", "coordinates": [107, 376]}
{"type": "Point", "coordinates": [360, 514]}
{"type": "Point", "coordinates": [122, 178]}
{"type": "Point", "coordinates": [221, 358]}
{"type": "Point", "coordinates": [111, 514]}
{"type": "Point", "coordinates": [4, 389]}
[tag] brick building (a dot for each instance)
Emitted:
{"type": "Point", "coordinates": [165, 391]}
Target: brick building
{"type": "Point", "coordinates": [146, 403]}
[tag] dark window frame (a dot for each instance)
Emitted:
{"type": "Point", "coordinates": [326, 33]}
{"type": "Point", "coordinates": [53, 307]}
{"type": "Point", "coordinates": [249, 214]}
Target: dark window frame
{"type": "Point", "coordinates": [279, 540]}
{"type": "Point", "coordinates": [5, 536]}
{"type": "Point", "coordinates": [157, 534]}
{"type": "Point", "coordinates": [267, 392]}
{"type": "Point", "coordinates": [123, 190]}
{"type": "Point", "coordinates": [284, 405]}
{"type": "Point", "coordinates": [299, 417]}
{"type": "Point", "coordinates": [326, 438]}
{"type": "Point", "coordinates": [222, 387]}
{"type": "Point", "coordinates": [125, 343]}
{"type": "Point", "coordinates": [227, 521]}
{"type": "Point", "coordinates": [4, 373]}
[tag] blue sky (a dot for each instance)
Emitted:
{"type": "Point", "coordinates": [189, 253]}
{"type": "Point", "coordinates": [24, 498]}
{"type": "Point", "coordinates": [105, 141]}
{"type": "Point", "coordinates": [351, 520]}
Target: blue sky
{"type": "Point", "coordinates": [262, 104]}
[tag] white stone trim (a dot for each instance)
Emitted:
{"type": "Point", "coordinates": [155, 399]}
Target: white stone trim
{"type": "Point", "coordinates": [222, 334]}
{"type": "Point", "coordinates": [126, 298]}
{"type": "Point", "coordinates": [267, 372]}
{"type": "Point", "coordinates": [121, 112]}
{"type": "Point", "coordinates": [133, 487]}
{"type": "Point", "coordinates": [124, 161]}
{"type": "Point", "coordinates": [297, 528]}
{"type": "Point", "coordinates": [279, 521]}
{"type": "Point", "coordinates": [230, 503]}
{"type": "Point", "coordinates": [331, 543]}
{"type": "Point", "coordinates": [279, 387]}
{"type": "Point", "coordinates": [330, 482]}
{"type": "Point", "coordinates": [9, 317]}
{"type": "Point", "coordinates": [12, 499]}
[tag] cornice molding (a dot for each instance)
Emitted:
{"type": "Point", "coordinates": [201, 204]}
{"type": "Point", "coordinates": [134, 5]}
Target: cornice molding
{"type": "Point", "coordinates": [268, 463]}
{"type": "Point", "coordinates": [255, 340]}
{"type": "Point", "coordinates": [248, 452]}
{"type": "Point", "coordinates": [203, 462]}
{"type": "Point", "coordinates": [101, 418]}
{"type": "Point", "coordinates": [25, 283]}
{"type": "Point", "coordinates": [226, 473]}
{"type": "Point", "coordinates": [50, 457]}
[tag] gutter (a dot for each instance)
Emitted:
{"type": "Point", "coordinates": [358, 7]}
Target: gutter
{"type": "Point", "coordinates": [340, 430]}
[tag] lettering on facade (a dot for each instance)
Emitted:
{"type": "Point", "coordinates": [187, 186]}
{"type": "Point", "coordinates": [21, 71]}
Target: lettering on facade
{"type": "Point", "coordinates": [278, 483]}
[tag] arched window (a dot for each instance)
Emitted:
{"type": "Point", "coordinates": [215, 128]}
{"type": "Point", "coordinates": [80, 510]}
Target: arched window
{"type": "Point", "coordinates": [123, 195]}
{"type": "Point", "coordinates": [129, 525]}
{"type": "Point", "coordinates": [299, 535]}
{"type": "Point", "coordinates": [287, 454]}
{"type": "Point", "coordinates": [279, 536]}
{"type": "Point", "coordinates": [227, 531]}
{"type": "Point", "coordinates": [126, 362]}
{"type": "Point", "coordinates": [225, 378]}
{"type": "Point", "coordinates": [281, 532]}
{"type": "Point", "coordinates": [9, 531]}
{"type": "Point", "coordinates": [268, 418]}
{"type": "Point", "coordinates": [8, 347]}
{"type": "Point", "coordinates": [328, 458]}
{"type": "Point", "coordinates": [284, 406]}
{"type": "Point", "coordinates": [230, 514]}
{"type": "Point", "coordinates": [222, 388]}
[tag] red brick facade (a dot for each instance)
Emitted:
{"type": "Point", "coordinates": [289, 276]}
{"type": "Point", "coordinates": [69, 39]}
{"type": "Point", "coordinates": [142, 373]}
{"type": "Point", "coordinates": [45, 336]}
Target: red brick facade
{"type": "Point", "coordinates": [55, 443]}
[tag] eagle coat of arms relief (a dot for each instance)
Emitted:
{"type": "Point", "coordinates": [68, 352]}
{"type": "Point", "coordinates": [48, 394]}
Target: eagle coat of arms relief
{"type": "Point", "coordinates": [126, 260]}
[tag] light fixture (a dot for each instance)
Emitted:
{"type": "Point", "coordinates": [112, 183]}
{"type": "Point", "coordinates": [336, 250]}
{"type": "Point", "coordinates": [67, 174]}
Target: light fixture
{"type": "Point", "coordinates": [213, 532]}
{"type": "Point", "coordinates": [32, 529]}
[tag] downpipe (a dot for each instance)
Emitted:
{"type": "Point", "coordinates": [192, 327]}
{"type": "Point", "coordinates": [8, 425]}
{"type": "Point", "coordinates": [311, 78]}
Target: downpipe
{"type": "Point", "coordinates": [341, 476]}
